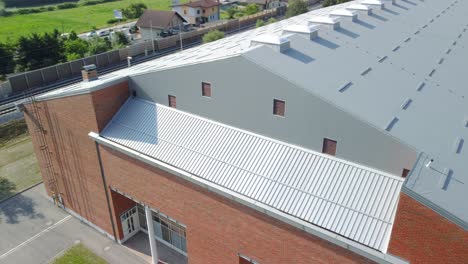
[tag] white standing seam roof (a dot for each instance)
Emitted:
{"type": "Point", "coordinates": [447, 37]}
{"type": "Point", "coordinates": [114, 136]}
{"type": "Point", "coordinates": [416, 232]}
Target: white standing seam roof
{"type": "Point", "coordinates": [348, 199]}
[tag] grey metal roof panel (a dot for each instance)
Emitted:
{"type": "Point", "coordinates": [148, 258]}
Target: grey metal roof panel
{"type": "Point", "coordinates": [416, 94]}
{"type": "Point", "coordinates": [346, 198]}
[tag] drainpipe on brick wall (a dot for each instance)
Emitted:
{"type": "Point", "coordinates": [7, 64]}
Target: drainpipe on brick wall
{"type": "Point", "coordinates": [104, 182]}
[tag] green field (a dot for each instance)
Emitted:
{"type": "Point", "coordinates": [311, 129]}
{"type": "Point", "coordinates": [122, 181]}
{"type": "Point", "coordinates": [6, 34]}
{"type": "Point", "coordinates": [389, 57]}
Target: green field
{"type": "Point", "coordinates": [80, 19]}
{"type": "Point", "coordinates": [79, 254]}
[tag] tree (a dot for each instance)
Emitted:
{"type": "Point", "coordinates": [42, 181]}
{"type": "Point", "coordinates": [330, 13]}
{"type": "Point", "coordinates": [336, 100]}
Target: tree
{"type": "Point", "coordinates": [2, 8]}
{"type": "Point", "coordinates": [231, 12]}
{"type": "Point", "coordinates": [212, 35]}
{"type": "Point", "coordinates": [98, 45]}
{"type": "Point", "coordinates": [73, 35]}
{"type": "Point", "coordinates": [75, 48]}
{"type": "Point", "coordinates": [7, 64]}
{"type": "Point", "coordinates": [134, 10]}
{"type": "Point", "coordinates": [251, 9]}
{"type": "Point", "coordinates": [38, 51]}
{"type": "Point", "coordinates": [120, 39]}
{"type": "Point", "coordinates": [296, 7]}
{"type": "Point", "coordinates": [333, 2]}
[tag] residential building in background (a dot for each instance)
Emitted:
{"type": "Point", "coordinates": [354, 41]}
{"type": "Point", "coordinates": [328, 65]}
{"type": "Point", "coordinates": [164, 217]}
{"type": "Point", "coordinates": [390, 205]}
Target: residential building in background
{"type": "Point", "coordinates": [198, 12]}
{"type": "Point", "coordinates": [155, 24]}
{"type": "Point", "coordinates": [264, 4]}
{"type": "Point", "coordinates": [334, 136]}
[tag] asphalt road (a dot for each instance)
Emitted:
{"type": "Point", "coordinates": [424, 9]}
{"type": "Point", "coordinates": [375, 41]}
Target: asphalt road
{"type": "Point", "coordinates": [33, 230]}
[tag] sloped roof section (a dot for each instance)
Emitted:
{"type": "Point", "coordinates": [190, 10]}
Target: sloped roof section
{"type": "Point", "coordinates": [351, 200]}
{"type": "Point", "coordinates": [158, 19]}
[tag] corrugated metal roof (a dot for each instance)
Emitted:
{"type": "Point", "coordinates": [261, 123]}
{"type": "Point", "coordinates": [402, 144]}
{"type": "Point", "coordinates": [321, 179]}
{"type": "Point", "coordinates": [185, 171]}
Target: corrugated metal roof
{"type": "Point", "coordinates": [351, 200]}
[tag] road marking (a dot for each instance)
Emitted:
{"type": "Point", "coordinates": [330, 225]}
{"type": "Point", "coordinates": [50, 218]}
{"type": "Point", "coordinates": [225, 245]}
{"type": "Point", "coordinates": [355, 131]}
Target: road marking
{"type": "Point", "coordinates": [35, 236]}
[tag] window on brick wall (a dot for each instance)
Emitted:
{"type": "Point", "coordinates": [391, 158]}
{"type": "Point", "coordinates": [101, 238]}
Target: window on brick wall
{"type": "Point", "coordinates": [329, 146]}
{"type": "Point", "coordinates": [405, 173]}
{"type": "Point", "coordinates": [246, 260]}
{"type": "Point", "coordinates": [206, 89]}
{"type": "Point", "coordinates": [172, 101]}
{"type": "Point", "coordinates": [278, 107]}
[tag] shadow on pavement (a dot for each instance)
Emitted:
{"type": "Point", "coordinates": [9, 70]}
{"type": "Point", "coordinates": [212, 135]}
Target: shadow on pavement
{"type": "Point", "coordinates": [19, 206]}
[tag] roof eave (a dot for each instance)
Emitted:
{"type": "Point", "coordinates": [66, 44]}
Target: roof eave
{"type": "Point", "coordinates": [314, 230]}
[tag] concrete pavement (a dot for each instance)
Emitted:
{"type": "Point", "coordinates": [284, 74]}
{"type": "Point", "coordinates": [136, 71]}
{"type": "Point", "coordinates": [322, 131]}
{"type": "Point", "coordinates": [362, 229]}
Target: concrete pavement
{"type": "Point", "coordinates": [33, 230]}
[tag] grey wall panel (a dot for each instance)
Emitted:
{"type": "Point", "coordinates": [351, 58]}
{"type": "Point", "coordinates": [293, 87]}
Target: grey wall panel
{"type": "Point", "coordinates": [76, 66]}
{"type": "Point", "coordinates": [50, 75]}
{"type": "Point", "coordinates": [34, 79]}
{"type": "Point", "coordinates": [114, 57]}
{"type": "Point", "coordinates": [240, 100]}
{"type": "Point", "coordinates": [18, 83]}
{"type": "Point", "coordinates": [64, 71]}
{"type": "Point", "coordinates": [90, 60]}
{"type": "Point", "coordinates": [102, 60]}
{"type": "Point", "coordinates": [123, 53]}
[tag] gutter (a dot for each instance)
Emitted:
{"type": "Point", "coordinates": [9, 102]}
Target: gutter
{"type": "Point", "coordinates": [322, 233]}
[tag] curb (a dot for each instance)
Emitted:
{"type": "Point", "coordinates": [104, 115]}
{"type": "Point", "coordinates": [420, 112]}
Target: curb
{"type": "Point", "coordinates": [21, 191]}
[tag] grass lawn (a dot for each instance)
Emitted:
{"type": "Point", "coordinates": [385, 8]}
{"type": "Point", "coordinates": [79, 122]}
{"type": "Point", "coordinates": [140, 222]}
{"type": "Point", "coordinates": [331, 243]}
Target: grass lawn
{"type": "Point", "coordinates": [18, 165]}
{"type": "Point", "coordinates": [80, 19]}
{"type": "Point", "coordinates": [79, 254]}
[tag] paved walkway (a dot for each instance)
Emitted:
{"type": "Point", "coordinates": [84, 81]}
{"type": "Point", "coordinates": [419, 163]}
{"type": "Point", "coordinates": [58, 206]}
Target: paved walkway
{"type": "Point", "coordinates": [33, 230]}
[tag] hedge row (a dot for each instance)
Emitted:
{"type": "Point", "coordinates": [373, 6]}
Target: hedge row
{"type": "Point", "coordinates": [21, 3]}
{"type": "Point", "coordinates": [67, 5]}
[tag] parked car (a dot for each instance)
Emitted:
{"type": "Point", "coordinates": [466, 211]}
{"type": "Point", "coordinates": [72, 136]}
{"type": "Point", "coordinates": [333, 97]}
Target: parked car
{"type": "Point", "coordinates": [104, 33]}
{"type": "Point", "coordinates": [91, 34]}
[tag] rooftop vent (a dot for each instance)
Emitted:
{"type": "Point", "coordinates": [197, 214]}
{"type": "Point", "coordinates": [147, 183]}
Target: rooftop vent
{"type": "Point", "coordinates": [278, 43]}
{"type": "Point", "coordinates": [346, 14]}
{"type": "Point", "coordinates": [360, 8]}
{"type": "Point", "coordinates": [310, 32]}
{"type": "Point", "coordinates": [89, 73]}
{"type": "Point", "coordinates": [391, 124]}
{"type": "Point", "coordinates": [329, 22]}
{"type": "Point", "coordinates": [373, 3]}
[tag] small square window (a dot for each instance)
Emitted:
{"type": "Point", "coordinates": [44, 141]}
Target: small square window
{"type": "Point", "coordinates": [329, 146]}
{"type": "Point", "coordinates": [405, 173]}
{"type": "Point", "coordinates": [206, 89]}
{"type": "Point", "coordinates": [278, 107]}
{"type": "Point", "coordinates": [172, 101]}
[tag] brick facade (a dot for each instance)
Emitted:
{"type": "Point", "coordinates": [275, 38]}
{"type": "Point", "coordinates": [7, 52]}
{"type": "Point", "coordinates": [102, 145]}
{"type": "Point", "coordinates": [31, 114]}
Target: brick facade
{"type": "Point", "coordinates": [420, 235]}
{"type": "Point", "coordinates": [67, 122]}
{"type": "Point", "coordinates": [120, 204]}
{"type": "Point", "coordinates": [218, 229]}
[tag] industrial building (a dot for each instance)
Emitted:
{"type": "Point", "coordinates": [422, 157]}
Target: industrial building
{"type": "Point", "coordinates": [336, 136]}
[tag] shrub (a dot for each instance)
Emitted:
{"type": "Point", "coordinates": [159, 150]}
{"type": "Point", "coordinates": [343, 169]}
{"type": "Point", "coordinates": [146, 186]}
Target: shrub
{"type": "Point", "coordinates": [29, 11]}
{"type": "Point", "coordinates": [251, 9]}
{"type": "Point", "coordinates": [92, 2]}
{"type": "Point", "coordinates": [260, 23]}
{"type": "Point", "coordinates": [134, 10]}
{"type": "Point", "coordinates": [50, 8]}
{"type": "Point", "coordinates": [115, 20]}
{"type": "Point", "coordinates": [213, 35]}
{"type": "Point", "coordinates": [67, 6]}
{"type": "Point", "coordinates": [296, 7]}
{"type": "Point", "coordinates": [272, 20]}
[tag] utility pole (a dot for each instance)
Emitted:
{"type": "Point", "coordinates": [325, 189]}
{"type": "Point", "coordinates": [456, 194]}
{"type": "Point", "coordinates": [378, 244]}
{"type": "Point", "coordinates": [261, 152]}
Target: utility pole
{"type": "Point", "coordinates": [180, 37]}
{"type": "Point", "coordinates": [152, 38]}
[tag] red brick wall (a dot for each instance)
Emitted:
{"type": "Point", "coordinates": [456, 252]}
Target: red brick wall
{"type": "Point", "coordinates": [67, 122]}
{"type": "Point", "coordinates": [120, 204]}
{"type": "Point", "coordinates": [420, 235]}
{"type": "Point", "coordinates": [107, 102]}
{"type": "Point", "coordinates": [217, 228]}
